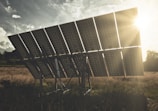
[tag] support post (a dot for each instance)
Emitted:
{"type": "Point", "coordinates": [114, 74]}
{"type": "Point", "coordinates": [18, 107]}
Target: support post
{"type": "Point", "coordinates": [85, 76]}
{"type": "Point", "coordinates": [58, 78]}
{"type": "Point", "coordinates": [58, 74]}
{"type": "Point", "coordinates": [41, 90]}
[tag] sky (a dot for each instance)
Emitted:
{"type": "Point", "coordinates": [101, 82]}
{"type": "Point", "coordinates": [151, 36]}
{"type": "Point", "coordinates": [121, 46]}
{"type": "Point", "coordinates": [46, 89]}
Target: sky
{"type": "Point", "coordinates": [17, 16]}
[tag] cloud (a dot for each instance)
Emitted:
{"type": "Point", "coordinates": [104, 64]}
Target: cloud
{"type": "Point", "coordinates": [9, 49]}
{"type": "Point", "coordinates": [5, 44]}
{"type": "Point", "coordinates": [1, 43]}
{"type": "Point", "coordinates": [20, 27]}
{"type": "Point", "coordinates": [16, 16]}
{"type": "Point", "coordinates": [7, 2]}
{"type": "Point", "coordinates": [10, 10]}
{"type": "Point", "coordinates": [71, 10]}
{"type": "Point", "coordinates": [2, 32]}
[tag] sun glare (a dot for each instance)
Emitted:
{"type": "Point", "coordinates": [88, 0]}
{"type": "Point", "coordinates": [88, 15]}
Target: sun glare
{"type": "Point", "coordinates": [142, 23]}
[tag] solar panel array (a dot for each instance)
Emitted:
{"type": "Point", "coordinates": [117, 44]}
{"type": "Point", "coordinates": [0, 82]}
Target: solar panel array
{"type": "Point", "coordinates": [110, 44]}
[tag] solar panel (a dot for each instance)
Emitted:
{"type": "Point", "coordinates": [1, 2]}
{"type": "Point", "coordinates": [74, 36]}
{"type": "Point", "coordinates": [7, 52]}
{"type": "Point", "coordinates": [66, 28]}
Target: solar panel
{"type": "Point", "coordinates": [97, 64]}
{"type": "Point", "coordinates": [68, 66]}
{"type": "Point", "coordinates": [114, 63]}
{"type": "Point", "coordinates": [19, 46]}
{"type": "Point", "coordinates": [57, 40]}
{"type": "Point", "coordinates": [107, 31]}
{"type": "Point", "coordinates": [88, 33]}
{"type": "Point", "coordinates": [43, 41]}
{"type": "Point", "coordinates": [51, 62]}
{"type": "Point", "coordinates": [80, 62]}
{"type": "Point", "coordinates": [133, 61]}
{"type": "Point", "coordinates": [44, 67]}
{"type": "Point", "coordinates": [128, 33]}
{"type": "Point", "coordinates": [72, 37]}
{"type": "Point", "coordinates": [31, 44]}
{"type": "Point", "coordinates": [100, 40]}
{"type": "Point", "coordinates": [33, 69]}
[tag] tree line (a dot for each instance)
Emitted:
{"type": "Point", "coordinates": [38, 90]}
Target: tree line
{"type": "Point", "coordinates": [151, 63]}
{"type": "Point", "coordinates": [10, 58]}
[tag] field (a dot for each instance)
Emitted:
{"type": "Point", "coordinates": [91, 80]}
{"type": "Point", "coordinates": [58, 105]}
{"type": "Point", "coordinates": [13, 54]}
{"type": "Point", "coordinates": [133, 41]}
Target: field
{"type": "Point", "coordinates": [19, 91]}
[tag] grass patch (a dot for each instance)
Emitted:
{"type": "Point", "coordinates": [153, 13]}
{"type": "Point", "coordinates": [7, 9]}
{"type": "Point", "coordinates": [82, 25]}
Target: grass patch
{"type": "Point", "coordinates": [106, 93]}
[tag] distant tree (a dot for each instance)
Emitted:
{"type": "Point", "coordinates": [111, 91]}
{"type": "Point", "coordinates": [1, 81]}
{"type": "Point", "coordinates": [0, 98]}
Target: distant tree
{"type": "Point", "coordinates": [10, 58]}
{"type": "Point", "coordinates": [151, 63]}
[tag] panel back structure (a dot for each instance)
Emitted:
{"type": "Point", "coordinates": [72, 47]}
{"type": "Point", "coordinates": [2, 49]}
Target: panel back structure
{"type": "Point", "coordinates": [104, 45]}
{"type": "Point", "coordinates": [72, 37]}
{"type": "Point", "coordinates": [114, 63]}
{"type": "Point", "coordinates": [57, 39]}
{"type": "Point", "coordinates": [128, 32]}
{"type": "Point", "coordinates": [89, 36]}
{"type": "Point", "coordinates": [97, 64]}
{"type": "Point", "coordinates": [44, 42]}
{"type": "Point", "coordinates": [18, 44]}
{"type": "Point", "coordinates": [31, 44]}
{"type": "Point", "coordinates": [133, 61]}
{"type": "Point", "coordinates": [107, 31]}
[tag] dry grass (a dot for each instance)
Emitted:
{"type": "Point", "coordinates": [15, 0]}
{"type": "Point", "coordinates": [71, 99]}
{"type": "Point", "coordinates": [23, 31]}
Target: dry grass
{"type": "Point", "coordinates": [146, 85]}
{"type": "Point", "coordinates": [18, 74]}
{"type": "Point", "coordinates": [149, 80]}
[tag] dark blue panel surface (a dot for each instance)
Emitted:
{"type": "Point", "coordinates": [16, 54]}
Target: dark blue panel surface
{"type": "Point", "coordinates": [88, 33]}
{"type": "Point", "coordinates": [107, 31]}
{"type": "Point", "coordinates": [72, 37]}
{"type": "Point", "coordinates": [43, 42]}
{"type": "Point", "coordinates": [57, 40]}
{"type": "Point", "coordinates": [31, 44]}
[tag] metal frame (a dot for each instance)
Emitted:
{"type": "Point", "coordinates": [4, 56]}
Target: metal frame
{"type": "Point", "coordinates": [56, 69]}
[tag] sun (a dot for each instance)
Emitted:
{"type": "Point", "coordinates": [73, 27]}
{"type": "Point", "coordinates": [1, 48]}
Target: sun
{"type": "Point", "coordinates": [141, 21]}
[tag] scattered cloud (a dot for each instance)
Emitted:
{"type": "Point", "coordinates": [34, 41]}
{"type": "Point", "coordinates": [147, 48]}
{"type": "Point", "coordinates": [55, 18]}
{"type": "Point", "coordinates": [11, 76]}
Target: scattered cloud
{"type": "Point", "coordinates": [29, 27]}
{"type": "Point", "coordinates": [8, 49]}
{"type": "Point", "coordinates": [7, 7]}
{"type": "Point", "coordinates": [7, 2]}
{"type": "Point", "coordinates": [10, 10]}
{"type": "Point", "coordinates": [16, 16]}
{"type": "Point", "coordinates": [71, 10]}
{"type": "Point", "coordinates": [2, 32]}
{"type": "Point", "coordinates": [5, 44]}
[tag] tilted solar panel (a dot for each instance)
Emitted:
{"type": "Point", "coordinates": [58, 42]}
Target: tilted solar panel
{"type": "Point", "coordinates": [128, 32]}
{"type": "Point", "coordinates": [72, 37]}
{"type": "Point", "coordinates": [88, 33]}
{"type": "Point", "coordinates": [57, 40]}
{"type": "Point", "coordinates": [52, 64]}
{"type": "Point", "coordinates": [114, 63]}
{"type": "Point", "coordinates": [68, 66]}
{"type": "Point", "coordinates": [43, 41]}
{"type": "Point", "coordinates": [19, 46]}
{"type": "Point", "coordinates": [133, 61]}
{"type": "Point", "coordinates": [99, 40]}
{"type": "Point", "coordinates": [80, 62]}
{"type": "Point", "coordinates": [45, 70]}
{"type": "Point", "coordinates": [31, 44]}
{"type": "Point", "coordinates": [97, 64]}
{"type": "Point", "coordinates": [107, 31]}
{"type": "Point", "coordinates": [33, 69]}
